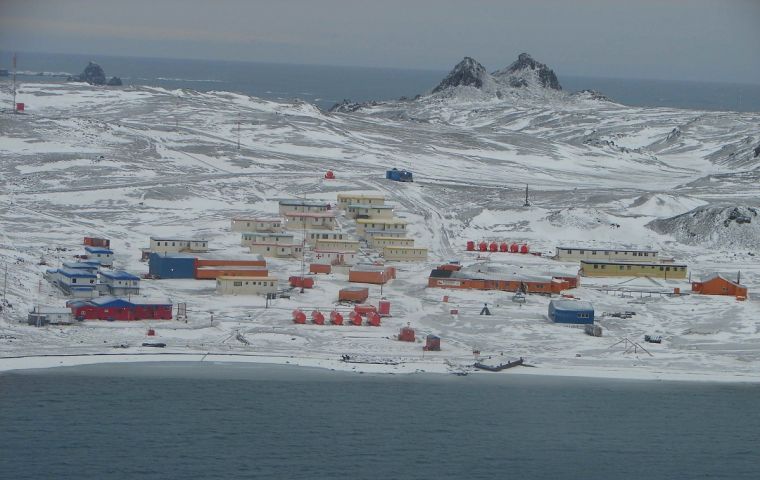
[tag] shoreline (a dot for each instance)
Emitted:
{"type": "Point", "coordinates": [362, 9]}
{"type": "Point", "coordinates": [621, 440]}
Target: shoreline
{"type": "Point", "coordinates": [437, 366]}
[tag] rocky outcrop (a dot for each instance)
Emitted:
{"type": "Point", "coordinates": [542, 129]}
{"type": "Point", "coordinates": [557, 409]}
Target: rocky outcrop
{"type": "Point", "coordinates": [115, 82]}
{"type": "Point", "coordinates": [719, 226]}
{"type": "Point", "coordinates": [93, 74]}
{"type": "Point", "coordinates": [467, 73]}
{"type": "Point", "coordinates": [526, 71]}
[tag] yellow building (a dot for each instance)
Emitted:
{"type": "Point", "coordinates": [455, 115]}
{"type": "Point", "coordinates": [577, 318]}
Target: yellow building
{"type": "Point", "coordinates": [340, 245]}
{"type": "Point", "coordinates": [362, 210]}
{"type": "Point", "coordinates": [371, 234]}
{"type": "Point", "coordinates": [380, 242]}
{"type": "Point", "coordinates": [346, 199]}
{"type": "Point", "coordinates": [313, 236]}
{"type": "Point", "coordinates": [573, 254]}
{"type": "Point", "coordinates": [405, 254]}
{"type": "Point", "coordinates": [256, 224]}
{"type": "Point", "coordinates": [364, 224]}
{"type": "Point", "coordinates": [601, 268]}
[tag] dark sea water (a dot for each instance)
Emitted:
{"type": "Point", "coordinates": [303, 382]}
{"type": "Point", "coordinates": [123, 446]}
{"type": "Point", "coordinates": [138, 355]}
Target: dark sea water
{"type": "Point", "coordinates": [326, 85]}
{"type": "Point", "coordinates": [205, 421]}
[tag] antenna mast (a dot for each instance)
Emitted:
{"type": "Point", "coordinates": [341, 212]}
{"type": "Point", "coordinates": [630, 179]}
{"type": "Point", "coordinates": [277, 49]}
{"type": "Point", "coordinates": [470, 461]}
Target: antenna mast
{"type": "Point", "coordinates": [13, 107]}
{"type": "Point", "coordinates": [527, 202]}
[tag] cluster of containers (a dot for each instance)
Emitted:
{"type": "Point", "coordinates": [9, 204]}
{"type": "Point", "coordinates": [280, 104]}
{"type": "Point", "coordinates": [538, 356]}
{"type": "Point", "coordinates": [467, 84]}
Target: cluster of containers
{"type": "Point", "coordinates": [503, 247]}
{"type": "Point", "coordinates": [355, 317]}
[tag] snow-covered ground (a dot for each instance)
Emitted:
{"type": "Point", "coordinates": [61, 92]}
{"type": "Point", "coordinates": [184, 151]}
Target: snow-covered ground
{"type": "Point", "coordinates": [134, 162]}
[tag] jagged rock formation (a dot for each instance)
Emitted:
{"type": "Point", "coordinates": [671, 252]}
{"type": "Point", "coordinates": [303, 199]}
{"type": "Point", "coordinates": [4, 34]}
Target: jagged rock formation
{"type": "Point", "coordinates": [719, 227]}
{"type": "Point", "coordinates": [468, 73]}
{"type": "Point", "coordinates": [524, 71]}
{"type": "Point", "coordinates": [115, 82]}
{"type": "Point", "coordinates": [93, 74]}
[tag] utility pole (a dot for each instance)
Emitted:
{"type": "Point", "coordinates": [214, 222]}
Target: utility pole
{"type": "Point", "coordinates": [13, 107]}
{"type": "Point", "coordinates": [527, 202]}
{"type": "Point", "coordinates": [5, 282]}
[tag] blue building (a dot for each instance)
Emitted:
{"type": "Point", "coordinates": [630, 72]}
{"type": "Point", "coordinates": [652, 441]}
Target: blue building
{"type": "Point", "coordinates": [73, 281]}
{"type": "Point", "coordinates": [571, 311]}
{"type": "Point", "coordinates": [171, 266]}
{"type": "Point", "coordinates": [399, 175]}
{"type": "Point", "coordinates": [100, 254]}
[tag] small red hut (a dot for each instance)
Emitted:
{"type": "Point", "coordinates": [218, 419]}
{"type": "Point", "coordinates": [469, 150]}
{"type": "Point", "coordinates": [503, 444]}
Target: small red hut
{"type": "Point", "coordinates": [432, 343]}
{"type": "Point", "coordinates": [406, 334]}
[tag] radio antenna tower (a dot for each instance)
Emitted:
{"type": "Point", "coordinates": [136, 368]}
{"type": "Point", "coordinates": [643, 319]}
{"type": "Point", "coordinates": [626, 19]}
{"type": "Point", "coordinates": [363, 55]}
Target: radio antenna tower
{"type": "Point", "coordinates": [527, 202]}
{"type": "Point", "coordinates": [13, 107]}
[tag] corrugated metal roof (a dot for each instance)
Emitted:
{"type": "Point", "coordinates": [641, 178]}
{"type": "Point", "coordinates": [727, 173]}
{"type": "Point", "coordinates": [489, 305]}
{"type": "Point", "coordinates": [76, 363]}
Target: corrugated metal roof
{"type": "Point", "coordinates": [572, 305]}
{"type": "Point", "coordinates": [75, 272]}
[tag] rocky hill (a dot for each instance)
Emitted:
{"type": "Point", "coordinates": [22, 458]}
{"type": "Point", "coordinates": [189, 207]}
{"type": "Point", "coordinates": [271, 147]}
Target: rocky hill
{"type": "Point", "coordinates": [714, 226]}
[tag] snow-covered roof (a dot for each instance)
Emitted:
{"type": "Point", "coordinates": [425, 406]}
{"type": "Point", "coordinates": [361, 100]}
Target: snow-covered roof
{"type": "Point", "coordinates": [246, 279]}
{"type": "Point", "coordinates": [598, 249]}
{"type": "Point", "coordinates": [81, 265]}
{"type": "Point", "coordinates": [304, 203]}
{"type": "Point", "coordinates": [632, 263]}
{"type": "Point", "coordinates": [51, 310]}
{"type": "Point", "coordinates": [75, 272]}
{"type": "Point", "coordinates": [712, 276]}
{"type": "Point", "coordinates": [572, 305]}
{"type": "Point", "coordinates": [175, 239]}
{"type": "Point", "coordinates": [367, 205]}
{"type": "Point", "coordinates": [119, 275]}
{"type": "Point", "coordinates": [104, 250]}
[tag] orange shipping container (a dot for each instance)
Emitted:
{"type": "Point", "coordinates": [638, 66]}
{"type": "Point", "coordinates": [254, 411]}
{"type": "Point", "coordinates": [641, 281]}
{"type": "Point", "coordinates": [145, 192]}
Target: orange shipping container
{"type": "Point", "coordinates": [319, 268]}
{"type": "Point", "coordinates": [353, 294]}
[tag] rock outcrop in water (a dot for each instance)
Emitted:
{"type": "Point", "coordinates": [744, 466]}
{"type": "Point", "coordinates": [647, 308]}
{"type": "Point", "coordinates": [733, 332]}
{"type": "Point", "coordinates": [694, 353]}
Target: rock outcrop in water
{"type": "Point", "coordinates": [93, 74]}
{"type": "Point", "coordinates": [115, 82]}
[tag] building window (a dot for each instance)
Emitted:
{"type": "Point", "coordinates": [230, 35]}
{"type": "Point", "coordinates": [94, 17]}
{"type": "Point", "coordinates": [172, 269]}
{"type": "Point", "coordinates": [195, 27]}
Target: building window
{"type": "Point", "coordinates": [73, 280]}
{"type": "Point", "coordinates": [237, 284]}
{"type": "Point", "coordinates": [596, 266]}
{"type": "Point", "coordinates": [582, 252]}
{"type": "Point", "coordinates": [593, 252]}
{"type": "Point", "coordinates": [628, 267]}
{"type": "Point", "coordinates": [603, 266]}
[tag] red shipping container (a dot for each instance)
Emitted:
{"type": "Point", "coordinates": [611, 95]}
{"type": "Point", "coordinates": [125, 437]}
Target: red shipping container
{"type": "Point", "coordinates": [384, 308]}
{"type": "Point", "coordinates": [20, 107]}
{"type": "Point", "coordinates": [320, 268]}
{"type": "Point", "coordinates": [406, 334]}
{"type": "Point", "coordinates": [299, 281]}
{"type": "Point", "coordinates": [353, 294]}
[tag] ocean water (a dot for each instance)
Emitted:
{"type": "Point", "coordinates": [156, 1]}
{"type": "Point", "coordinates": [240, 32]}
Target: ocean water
{"type": "Point", "coordinates": [326, 85]}
{"type": "Point", "coordinates": [206, 421]}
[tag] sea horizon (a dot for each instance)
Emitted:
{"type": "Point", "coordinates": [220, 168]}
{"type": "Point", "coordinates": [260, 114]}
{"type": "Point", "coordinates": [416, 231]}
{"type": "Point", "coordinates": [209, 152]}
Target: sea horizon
{"type": "Point", "coordinates": [325, 85]}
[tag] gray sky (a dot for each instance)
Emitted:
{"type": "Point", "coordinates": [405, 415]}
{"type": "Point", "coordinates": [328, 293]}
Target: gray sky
{"type": "Point", "coordinates": [710, 40]}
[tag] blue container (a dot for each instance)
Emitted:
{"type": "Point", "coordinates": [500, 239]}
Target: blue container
{"type": "Point", "coordinates": [171, 266]}
{"type": "Point", "coordinates": [571, 311]}
{"type": "Point", "coordinates": [399, 175]}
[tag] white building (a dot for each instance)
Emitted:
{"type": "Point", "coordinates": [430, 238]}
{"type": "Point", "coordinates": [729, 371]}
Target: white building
{"type": "Point", "coordinates": [251, 238]}
{"type": "Point", "coordinates": [342, 245]}
{"type": "Point", "coordinates": [309, 220]}
{"type": "Point", "coordinates": [120, 283]}
{"type": "Point", "coordinates": [72, 281]}
{"type": "Point", "coordinates": [40, 316]}
{"type": "Point", "coordinates": [256, 224]}
{"type": "Point", "coordinates": [314, 236]}
{"type": "Point", "coordinates": [391, 224]}
{"type": "Point", "coordinates": [333, 257]}
{"type": "Point", "coordinates": [177, 245]}
{"type": "Point", "coordinates": [573, 254]}
{"type": "Point", "coordinates": [100, 254]}
{"type": "Point", "coordinates": [246, 285]}
{"type": "Point", "coordinates": [346, 199]}
{"type": "Point", "coordinates": [277, 250]}
{"type": "Point", "coordinates": [303, 206]}
{"type": "Point", "coordinates": [380, 242]}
